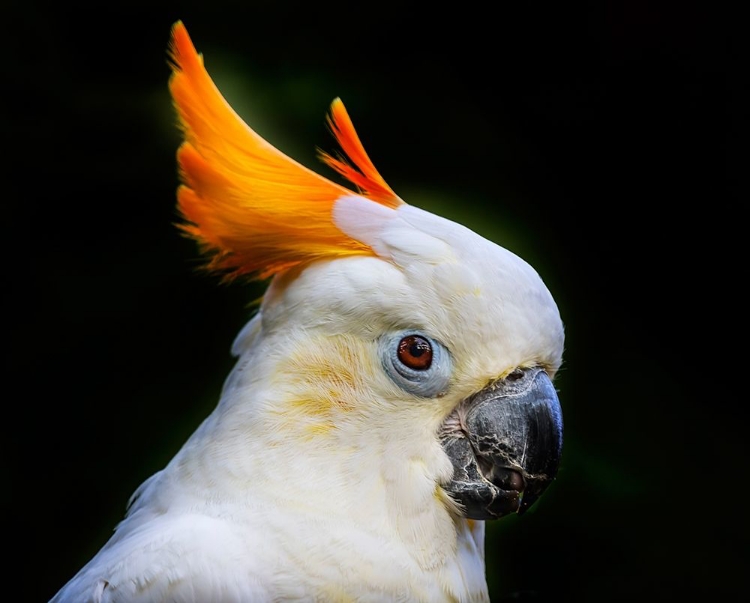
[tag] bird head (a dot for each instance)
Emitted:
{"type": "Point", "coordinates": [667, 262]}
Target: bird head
{"type": "Point", "coordinates": [381, 322]}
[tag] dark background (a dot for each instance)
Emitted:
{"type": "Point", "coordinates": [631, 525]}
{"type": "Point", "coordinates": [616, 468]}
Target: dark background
{"type": "Point", "coordinates": [593, 139]}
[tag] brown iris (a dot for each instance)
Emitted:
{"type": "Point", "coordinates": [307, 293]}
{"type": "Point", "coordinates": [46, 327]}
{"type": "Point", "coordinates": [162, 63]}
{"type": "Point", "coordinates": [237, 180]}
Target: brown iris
{"type": "Point", "coordinates": [415, 352]}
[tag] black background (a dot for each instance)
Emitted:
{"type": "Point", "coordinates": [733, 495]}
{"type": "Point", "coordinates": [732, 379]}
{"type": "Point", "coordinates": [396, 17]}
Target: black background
{"type": "Point", "coordinates": [593, 139]}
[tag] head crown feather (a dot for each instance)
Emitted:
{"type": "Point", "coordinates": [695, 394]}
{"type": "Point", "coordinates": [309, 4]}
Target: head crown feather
{"type": "Point", "coordinates": [254, 210]}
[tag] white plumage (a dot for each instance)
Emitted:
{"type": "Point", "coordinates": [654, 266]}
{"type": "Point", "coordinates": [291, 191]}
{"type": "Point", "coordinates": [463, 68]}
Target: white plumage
{"type": "Point", "coordinates": [321, 475]}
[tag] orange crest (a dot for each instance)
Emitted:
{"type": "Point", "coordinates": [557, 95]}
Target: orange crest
{"type": "Point", "coordinates": [254, 210]}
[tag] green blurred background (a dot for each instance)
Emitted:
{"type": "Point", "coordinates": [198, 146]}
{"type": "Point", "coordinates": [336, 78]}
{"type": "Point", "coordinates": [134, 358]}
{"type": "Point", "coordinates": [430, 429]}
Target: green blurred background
{"type": "Point", "coordinates": [590, 138]}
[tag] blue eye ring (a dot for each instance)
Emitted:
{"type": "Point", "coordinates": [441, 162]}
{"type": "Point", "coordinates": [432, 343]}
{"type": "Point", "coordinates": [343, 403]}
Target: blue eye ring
{"type": "Point", "coordinates": [416, 362]}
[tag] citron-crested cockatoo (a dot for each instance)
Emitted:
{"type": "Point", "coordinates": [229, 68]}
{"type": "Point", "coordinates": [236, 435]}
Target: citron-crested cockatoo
{"type": "Point", "coordinates": [391, 394]}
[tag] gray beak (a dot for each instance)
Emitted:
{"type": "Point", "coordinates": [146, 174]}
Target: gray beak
{"type": "Point", "coordinates": [505, 443]}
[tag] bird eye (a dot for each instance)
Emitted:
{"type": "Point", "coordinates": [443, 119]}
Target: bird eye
{"type": "Point", "coordinates": [415, 352]}
{"type": "Point", "coordinates": [417, 363]}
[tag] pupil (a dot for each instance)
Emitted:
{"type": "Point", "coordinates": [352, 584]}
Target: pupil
{"type": "Point", "coordinates": [415, 352]}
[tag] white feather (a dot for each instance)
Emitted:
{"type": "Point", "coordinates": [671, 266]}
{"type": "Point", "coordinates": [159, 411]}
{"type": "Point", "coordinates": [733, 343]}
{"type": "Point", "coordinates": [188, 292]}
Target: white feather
{"type": "Point", "coordinates": [317, 478]}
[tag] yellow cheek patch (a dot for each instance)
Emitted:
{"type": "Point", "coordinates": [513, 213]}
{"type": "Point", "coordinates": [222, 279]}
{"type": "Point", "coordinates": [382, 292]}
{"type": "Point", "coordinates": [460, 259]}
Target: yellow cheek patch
{"type": "Point", "coordinates": [326, 377]}
{"type": "Point", "coordinates": [319, 429]}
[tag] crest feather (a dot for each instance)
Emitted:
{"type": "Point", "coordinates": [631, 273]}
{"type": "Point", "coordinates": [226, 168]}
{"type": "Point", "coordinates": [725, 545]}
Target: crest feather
{"type": "Point", "coordinates": [254, 210]}
{"type": "Point", "coordinates": [363, 173]}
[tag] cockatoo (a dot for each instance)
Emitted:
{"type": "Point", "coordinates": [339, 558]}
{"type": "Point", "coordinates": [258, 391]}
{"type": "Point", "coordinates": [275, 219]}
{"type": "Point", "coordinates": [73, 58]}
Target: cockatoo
{"type": "Point", "coordinates": [393, 391]}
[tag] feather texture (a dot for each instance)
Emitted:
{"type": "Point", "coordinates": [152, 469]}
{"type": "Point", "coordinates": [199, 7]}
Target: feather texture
{"type": "Point", "coordinates": [359, 170]}
{"type": "Point", "coordinates": [321, 474]}
{"type": "Point", "coordinates": [254, 210]}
